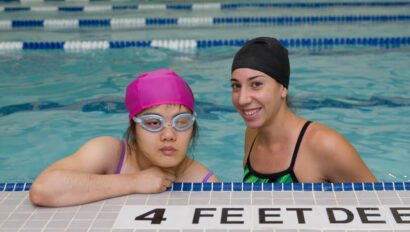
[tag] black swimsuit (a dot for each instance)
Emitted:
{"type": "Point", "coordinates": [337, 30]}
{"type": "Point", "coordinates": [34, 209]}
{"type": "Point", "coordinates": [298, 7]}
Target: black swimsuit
{"type": "Point", "coordinates": [286, 176]}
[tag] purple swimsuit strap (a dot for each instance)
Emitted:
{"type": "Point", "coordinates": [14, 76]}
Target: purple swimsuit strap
{"type": "Point", "coordinates": [207, 177]}
{"type": "Point", "coordinates": [122, 158]}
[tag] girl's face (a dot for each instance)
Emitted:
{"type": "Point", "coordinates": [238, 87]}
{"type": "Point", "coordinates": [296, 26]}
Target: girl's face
{"type": "Point", "coordinates": [165, 148]}
{"type": "Point", "coordinates": [256, 96]}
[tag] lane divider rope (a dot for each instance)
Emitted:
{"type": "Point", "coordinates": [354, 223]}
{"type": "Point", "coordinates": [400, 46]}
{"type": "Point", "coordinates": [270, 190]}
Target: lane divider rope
{"type": "Point", "coordinates": [196, 6]}
{"type": "Point", "coordinates": [196, 21]}
{"type": "Point", "coordinates": [191, 44]}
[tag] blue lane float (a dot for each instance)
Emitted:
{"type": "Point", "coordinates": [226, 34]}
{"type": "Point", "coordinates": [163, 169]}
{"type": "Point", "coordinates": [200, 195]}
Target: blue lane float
{"type": "Point", "coordinates": [203, 6]}
{"type": "Point", "coordinates": [190, 44]}
{"type": "Point", "coordinates": [205, 21]}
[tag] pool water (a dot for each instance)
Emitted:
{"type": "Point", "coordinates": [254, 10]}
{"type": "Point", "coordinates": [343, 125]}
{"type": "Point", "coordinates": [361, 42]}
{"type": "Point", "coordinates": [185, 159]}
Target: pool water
{"type": "Point", "coordinates": [53, 101]}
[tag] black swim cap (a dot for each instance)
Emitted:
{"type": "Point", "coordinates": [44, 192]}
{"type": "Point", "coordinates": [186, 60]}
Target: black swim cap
{"type": "Point", "coordinates": [267, 55]}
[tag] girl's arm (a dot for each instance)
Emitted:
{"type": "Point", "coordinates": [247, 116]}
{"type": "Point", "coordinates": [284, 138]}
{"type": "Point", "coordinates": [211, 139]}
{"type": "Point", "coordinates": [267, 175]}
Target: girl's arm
{"type": "Point", "coordinates": [88, 175]}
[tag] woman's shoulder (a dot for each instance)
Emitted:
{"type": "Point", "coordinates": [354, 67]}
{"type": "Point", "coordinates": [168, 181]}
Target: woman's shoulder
{"type": "Point", "coordinates": [104, 144]}
{"type": "Point", "coordinates": [104, 150]}
{"type": "Point", "coordinates": [327, 145]}
{"type": "Point", "coordinates": [196, 172]}
{"type": "Point", "coordinates": [323, 137]}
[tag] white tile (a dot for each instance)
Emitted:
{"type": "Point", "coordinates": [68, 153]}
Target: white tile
{"type": "Point", "coordinates": [326, 201]}
{"type": "Point", "coordinates": [75, 224]}
{"type": "Point", "coordinates": [198, 201]}
{"type": "Point", "coordinates": [283, 201]}
{"type": "Point", "coordinates": [324, 195]}
{"type": "Point", "coordinates": [345, 194]}
{"type": "Point", "coordinates": [35, 224]}
{"type": "Point", "coordinates": [262, 201]}
{"type": "Point", "coordinates": [177, 201]}
{"type": "Point", "coordinates": [365, 194]}
{"type": "Point", "coordinates": [206, 195]}
{"type": "Point", "coordinates": [368, 201]}
{"type": "Point", "coordinates": [347, 201]}
{"type": "Point", "coordinates": [403, 193]}
{"type": "Point", "coordinates": [179, 195]}
{"type": "Point", "coordinates": [262, 194]}
{"type": "Point", "coordinates": [240, 194]}
{"type": "Point", "coordinates": [220, 195]}
{"type": "Point", "coordinates": [135, 201]}
{"type": "Point", "coordinates": [303, 195]}
{"type": "Point", "coordinates": [242, 201]}
{"type": "Point", "coordinates": [304, 201]}
{"type": "Point", "coordinates": [163, 195]}
{"type": "Point", "coordinates": [57, 224]}
{"type": "Point", "coordinates": [41, 216]}
{"type": "Point", "coordinates": [287, 194]}
{"type": "Point", "coordinates": [157, 201]}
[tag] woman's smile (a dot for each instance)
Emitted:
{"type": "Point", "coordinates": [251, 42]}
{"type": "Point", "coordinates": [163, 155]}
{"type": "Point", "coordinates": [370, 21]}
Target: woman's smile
{"type": "Point", "coordinates": [250, 113]}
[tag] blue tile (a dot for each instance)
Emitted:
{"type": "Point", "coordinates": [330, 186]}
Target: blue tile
{"type": "Point", "coordinates": [216, 186]}
{"type": "Point", "coordinates": [247, 186]}
{"type": "Point", "coordinates": [168, 189]}
{"type": "Point", "coordinates": [368, 186]}
{"type": "Point", "coordinates": [27, 188]}
{"type": "Point", "coordinates": [9, 187]}
{"type": "Point", "coordinates": [317, 186]}
{"type": "Point", "coordinates": [337, 187]}
{"type": "Point", "coordinates": [307, 187]}
{"type": "Point", "coordinates": [347, 186]}
{"type": "Point", "coordinates": [287, 187]}
{"type": "Point", "coordinates": [267, 186]}
{"type": "Point", "coordinates": [237, 187]}
{"type": "Point", "coordinates": [388, 186]}
{"type": "Point", "coordinates": [398, 186]}
{"type": "Point", "coordinates": [177, 187]}
{"type": "Point", "coordinates": [358, 186]}
{"type": "Point", "coordinates": [227, 186]}
{"type": "Point", "coordinates": [277, 186]}
{"type": "Point", "coordinates": [407, 185]}
{"type": "Point", "coordinates": [207, 187]}
{"type": "Point", "coordinates": [327, 187]}
{"type": "Point", "coordinates": [19, 187]}
{"type": "Point", "coordinates": [2, 185]}
{"type": "Point", "coordinates": [197, 187]}
{"type": "Point", "coordinates": [378, 186]}
{"type": "Point", "coordinates": [297, 186]}
{"type": "Point", "coordinates": [186, 186]}
{"type": "Point", "coordinates": [257, 187]}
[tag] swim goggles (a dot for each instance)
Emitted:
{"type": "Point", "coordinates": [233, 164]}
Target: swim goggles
{"type": "Point", "coordinates": [155, 122]}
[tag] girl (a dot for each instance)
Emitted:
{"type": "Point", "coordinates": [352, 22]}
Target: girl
{"type": "Point", "coordinates": [161, 126]}
{"type": "Point", "coordinates": [279, 145]}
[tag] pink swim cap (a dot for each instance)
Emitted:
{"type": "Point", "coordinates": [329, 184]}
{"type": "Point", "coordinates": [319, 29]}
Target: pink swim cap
{"type": "Point", "coordinates": [155, 88]}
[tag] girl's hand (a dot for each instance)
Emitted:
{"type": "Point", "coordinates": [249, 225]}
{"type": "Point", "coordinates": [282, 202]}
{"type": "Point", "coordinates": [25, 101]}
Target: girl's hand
{"type": "Point", "coordinates": [153, 180]}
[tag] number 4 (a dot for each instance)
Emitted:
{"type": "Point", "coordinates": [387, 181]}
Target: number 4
{"type": "Point", "coordinates": [156, 219]}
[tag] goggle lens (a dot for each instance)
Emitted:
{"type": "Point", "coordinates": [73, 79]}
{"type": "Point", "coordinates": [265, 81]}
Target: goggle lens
{"type": "Point", "coordinates": [155, 122]}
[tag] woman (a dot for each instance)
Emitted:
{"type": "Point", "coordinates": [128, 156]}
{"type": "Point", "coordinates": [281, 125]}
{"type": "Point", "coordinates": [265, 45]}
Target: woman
{"type": "Point", "coordinates": [279, 145]}
{"type": "Point", "coordinates": [161, 127]}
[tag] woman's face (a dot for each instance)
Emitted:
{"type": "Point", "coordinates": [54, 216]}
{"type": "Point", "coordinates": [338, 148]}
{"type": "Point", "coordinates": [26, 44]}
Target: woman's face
{"type": "Point", "coordinates": [256, 96]}
{"type": "Point", "coordinates": [167, 147]}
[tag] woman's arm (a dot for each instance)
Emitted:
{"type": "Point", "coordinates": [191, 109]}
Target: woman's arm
{"type": "Point", "coordinates": [87, 176]}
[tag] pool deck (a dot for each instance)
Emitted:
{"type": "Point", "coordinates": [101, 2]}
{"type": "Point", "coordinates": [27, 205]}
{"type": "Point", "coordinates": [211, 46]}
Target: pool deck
{"type": "Point", "coordinates": [222, 207]}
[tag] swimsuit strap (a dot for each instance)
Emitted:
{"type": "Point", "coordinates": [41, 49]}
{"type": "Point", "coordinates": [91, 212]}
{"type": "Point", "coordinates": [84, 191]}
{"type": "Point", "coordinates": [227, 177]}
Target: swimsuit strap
{"type": "Point", "coordinates": [295, 152]}
{"type": "Point", "coordinates": [122, 158]}
{"type": "Point", "coordinates": [294, 155]}
{"type": "Point", "coordinates": [249, 153]}
{"type": "Point", "coordinates": [207, 177]}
